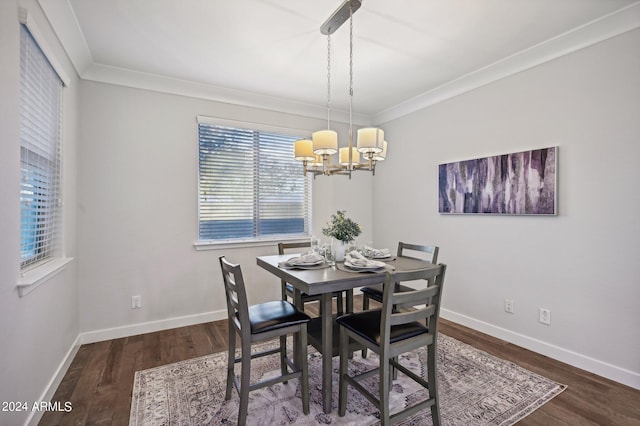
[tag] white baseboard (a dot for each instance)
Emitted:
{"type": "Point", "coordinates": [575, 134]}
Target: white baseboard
{"type": "Point", "coordinates": [150, 327]}
{"type": "Point", "coordinates": [574, 359]}
{"type": "Point", "coordinates": [55, 381]}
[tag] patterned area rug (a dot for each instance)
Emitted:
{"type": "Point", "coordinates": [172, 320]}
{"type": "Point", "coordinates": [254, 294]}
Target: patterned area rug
{"type": "Point", "coordinates": [475, 389]}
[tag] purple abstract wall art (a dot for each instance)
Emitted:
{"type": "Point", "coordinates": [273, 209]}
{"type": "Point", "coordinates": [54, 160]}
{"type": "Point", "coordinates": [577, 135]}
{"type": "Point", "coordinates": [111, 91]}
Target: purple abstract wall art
{"type": "Point", "coordinates": [522, 183]}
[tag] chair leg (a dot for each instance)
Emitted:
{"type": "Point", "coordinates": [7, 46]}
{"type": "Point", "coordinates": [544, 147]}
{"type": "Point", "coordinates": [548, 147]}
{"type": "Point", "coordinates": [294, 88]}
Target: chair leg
{"type": "Point", "coordinates": [365, 307]}
{"type": "Point", "coordinates": [305, 369]}
{"type": "Point", "coordinates": [245, 382]}
{"type": "Point", "coordinates": [283, 356]}
{"type": "Point", "coordinates": [432, 378]}
{"type": "Point", "coordinates": [344, 370]}
{"type": "Point", "coordinates": [231, 357]}
{"type": "Point", "coordinates": [385, 379]}
{"type": "Point", "coordinates": [394, 370]}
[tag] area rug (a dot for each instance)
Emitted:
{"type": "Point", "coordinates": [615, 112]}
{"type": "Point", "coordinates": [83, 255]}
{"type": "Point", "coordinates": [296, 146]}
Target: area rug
{"type": "Point", "coordinates": [476, 388]}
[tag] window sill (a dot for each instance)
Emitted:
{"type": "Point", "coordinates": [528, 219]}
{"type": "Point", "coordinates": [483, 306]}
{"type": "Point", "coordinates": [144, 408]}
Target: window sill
{"type": "Point", "coordinates": [217, 245]}
{"type": "Point", "coordinates": [34, 278]}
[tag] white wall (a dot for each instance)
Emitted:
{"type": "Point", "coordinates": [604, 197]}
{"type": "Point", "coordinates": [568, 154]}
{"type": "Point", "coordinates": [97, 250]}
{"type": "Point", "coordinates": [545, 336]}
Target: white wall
{"type": "Point", "coordinates": [581, 264]}
{"type": "Point", "coordinates": [38, 330]}
{"type": "Point", "coordinates": [137, 176]}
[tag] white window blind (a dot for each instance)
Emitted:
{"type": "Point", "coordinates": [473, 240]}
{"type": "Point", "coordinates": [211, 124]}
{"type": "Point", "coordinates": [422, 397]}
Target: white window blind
{"type": "Point", "coordinates": [40, 118]}
{"type": "Point", "coordinates": [250, 188]}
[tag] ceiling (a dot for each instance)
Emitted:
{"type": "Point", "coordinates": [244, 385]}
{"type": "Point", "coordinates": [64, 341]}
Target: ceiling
{"type": "Point", "coordinates": [272, 50]}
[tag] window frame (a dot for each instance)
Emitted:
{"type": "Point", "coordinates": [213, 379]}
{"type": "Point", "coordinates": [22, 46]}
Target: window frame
{"type": "Point", "coordinates": [256, 240]}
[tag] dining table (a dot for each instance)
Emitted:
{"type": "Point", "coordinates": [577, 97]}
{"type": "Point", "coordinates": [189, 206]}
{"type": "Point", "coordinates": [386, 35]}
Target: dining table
{"type": "Point", "coordinates": [324, 280]}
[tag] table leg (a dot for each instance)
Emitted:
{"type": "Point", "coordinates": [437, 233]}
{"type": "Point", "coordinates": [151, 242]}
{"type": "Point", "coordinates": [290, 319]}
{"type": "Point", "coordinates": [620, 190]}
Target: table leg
{"type": "Point", "coordinates": [327, 350]}
{"type": "Point", "coordinates": [349, 307]}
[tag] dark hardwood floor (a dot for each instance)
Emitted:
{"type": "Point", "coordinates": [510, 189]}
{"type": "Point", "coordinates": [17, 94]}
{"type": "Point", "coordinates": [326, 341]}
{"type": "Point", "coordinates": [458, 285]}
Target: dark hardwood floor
{"type": "Point", "coordinates": [100, 379]}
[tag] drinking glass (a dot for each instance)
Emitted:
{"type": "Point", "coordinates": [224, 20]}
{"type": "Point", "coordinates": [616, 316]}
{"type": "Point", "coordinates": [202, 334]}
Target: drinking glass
{"type": "Point", "coordinates": [315, 244]}
{"type": "Point", "coordinates": [326, 251]}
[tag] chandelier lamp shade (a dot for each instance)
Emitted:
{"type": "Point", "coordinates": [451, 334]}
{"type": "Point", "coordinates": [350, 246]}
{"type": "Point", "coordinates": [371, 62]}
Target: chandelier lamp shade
{"type": "Point", "coordinates": [325, 142]}
{"type": "Point", "coordinates": [303, 150]}
{"type": "Point", "coordinates": [370, 140]}
{"type": "Point", "coordinates": [315, 153]}
{"type": "Point", "coordinates": [344, 157]}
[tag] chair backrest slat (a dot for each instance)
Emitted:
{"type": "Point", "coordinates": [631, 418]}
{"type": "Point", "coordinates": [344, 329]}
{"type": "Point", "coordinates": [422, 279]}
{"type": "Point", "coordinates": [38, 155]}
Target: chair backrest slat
{"type": "Point", "coordinates": [414, 315]}
{"type": "Point", "coordinates": [282, 247]}
{"type": "Point", "coordinates": [416, 297]}
{"type": "Point", "coordinates": [405, 249]}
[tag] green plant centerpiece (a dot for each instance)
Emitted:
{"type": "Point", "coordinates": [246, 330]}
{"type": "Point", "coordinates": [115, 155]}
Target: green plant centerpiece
{"type": "Point", "coordinates": [342, 229]}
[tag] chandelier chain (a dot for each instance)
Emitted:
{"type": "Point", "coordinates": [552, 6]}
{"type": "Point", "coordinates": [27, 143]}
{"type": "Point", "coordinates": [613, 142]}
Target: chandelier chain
{"type": "Point", "coordinates": [328, 81]}
{"type": "Point", "coordinates": [350, 80]}
{"type": "Point", "coordinates": [350, 51]}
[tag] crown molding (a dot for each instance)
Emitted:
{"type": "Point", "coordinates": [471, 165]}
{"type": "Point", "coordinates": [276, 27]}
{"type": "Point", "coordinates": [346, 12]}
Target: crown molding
{"type": "Point", "coordinates": [65, 24]}
{"type": "Point", "coordinates": [158, 83]}
{"type": "Point", "coordinates": [608, 26]}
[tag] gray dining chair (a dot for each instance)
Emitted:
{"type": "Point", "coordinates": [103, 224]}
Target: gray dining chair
{"type": "Point", "coordinates": [257, 323]}
{"type": "Point", "coordinates": [287, 289]}
{"type": "Point", "coordinates": [375, 292]}
{"type": "Point", "coordinates": [406, 321]}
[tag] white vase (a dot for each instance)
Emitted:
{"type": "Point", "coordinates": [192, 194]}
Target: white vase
{"type": "Point", "coordinates": [338, 250]}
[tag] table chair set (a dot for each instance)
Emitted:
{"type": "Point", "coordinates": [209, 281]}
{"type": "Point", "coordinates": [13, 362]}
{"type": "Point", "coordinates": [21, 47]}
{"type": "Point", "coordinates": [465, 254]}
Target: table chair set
{"type": "Point", "coordinates": [406, 321]}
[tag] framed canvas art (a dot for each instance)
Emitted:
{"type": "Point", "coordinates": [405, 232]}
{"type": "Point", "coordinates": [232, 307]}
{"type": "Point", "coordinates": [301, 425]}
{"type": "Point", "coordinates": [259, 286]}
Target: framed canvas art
{"type": "Point", "coordinates": [522, 183]}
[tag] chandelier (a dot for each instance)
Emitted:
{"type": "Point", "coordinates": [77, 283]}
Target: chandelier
{"type": "Point", "coordinates": [315, 153]}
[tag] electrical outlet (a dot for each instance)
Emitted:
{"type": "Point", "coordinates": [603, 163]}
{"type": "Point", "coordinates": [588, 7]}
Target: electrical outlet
{"type": "Point", "coordinates": [136, 302]}
{"type": "Point", "coordinates": [545, 316]}
{"type": "Point", "coordinates": [508, 305]}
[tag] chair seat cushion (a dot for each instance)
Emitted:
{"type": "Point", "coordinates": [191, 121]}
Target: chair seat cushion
{"type": "Point", "coordinates": [269, 316]}
{"type": "Point", "coordinates": [375, 292]}
{"type": "Point", "coordinates": [367, 325]}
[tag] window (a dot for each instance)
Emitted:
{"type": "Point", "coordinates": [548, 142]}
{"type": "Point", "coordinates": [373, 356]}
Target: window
{"type": "Point", "coordinates": [250, 188]}
{"type": "Point", "coordinates": [40, 126]}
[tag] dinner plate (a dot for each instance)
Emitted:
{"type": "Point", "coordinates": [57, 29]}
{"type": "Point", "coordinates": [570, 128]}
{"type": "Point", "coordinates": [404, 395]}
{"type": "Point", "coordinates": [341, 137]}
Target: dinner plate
{"type": "Point", "coordinates": [317, 262]}
{"type": "Point", "coordinates": [317, 265]}
{"type": "Point", "coordinates": [301, 261]}
{"type": "Point", "coordinates": [320, 265]}
{"type": "Point", "coordinates": [383, 256]}
{"type": "Point", "coordinates": [371, 266]}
